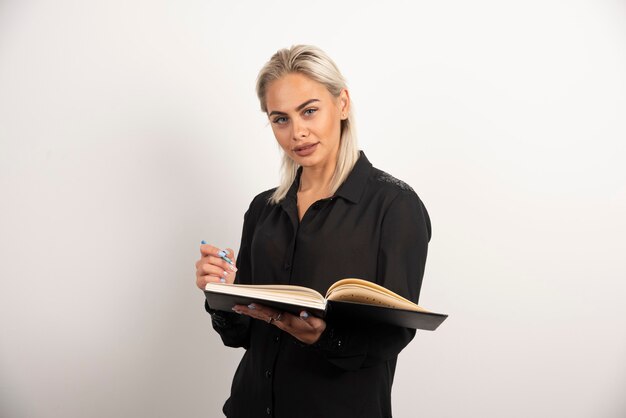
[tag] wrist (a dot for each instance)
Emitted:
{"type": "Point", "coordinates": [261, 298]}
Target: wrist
{"type": "Point", "coordinates": [219, 318]}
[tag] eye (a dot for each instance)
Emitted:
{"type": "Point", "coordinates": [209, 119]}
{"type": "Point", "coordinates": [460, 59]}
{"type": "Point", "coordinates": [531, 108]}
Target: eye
{"type": "Point", "coordinates": [311, 110]}
{"type": "Point", "coordinates": [280, 120]}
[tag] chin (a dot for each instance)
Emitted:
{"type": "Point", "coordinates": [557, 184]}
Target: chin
{"type": "Point", "coordinates": [308, 161]}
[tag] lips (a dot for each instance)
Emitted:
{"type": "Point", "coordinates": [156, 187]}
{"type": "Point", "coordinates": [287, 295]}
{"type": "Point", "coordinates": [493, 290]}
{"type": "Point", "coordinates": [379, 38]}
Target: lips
{"type": "Point", "coordinates": [306, 149]}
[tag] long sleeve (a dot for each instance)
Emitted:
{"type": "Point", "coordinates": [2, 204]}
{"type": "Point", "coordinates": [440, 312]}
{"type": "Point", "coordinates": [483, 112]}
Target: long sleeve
{"type": "Point", "coordinates": [374, 227]}
{"type": "Point", "coordinates": [234, 329]}
{"type": "Point", "coordinates": [405, 233]}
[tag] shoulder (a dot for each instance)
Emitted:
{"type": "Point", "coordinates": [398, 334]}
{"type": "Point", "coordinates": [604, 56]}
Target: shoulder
{"type": "Point", "coordinates": [398, 198]}
{"type": "Point", "coordinates": [257, 207]}
{"type": "Point", "coordinates": [387, 182]}
{"type": "Point", "coordinates": [263, 198]}
{"type": "Point", "coordinates": [261, 201]}
{"type": "Point", "coordinates": [388, 188]}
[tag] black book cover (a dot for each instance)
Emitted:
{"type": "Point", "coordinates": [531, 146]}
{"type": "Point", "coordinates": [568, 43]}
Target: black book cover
{"type": "Point", "coordinates": [359, 311]}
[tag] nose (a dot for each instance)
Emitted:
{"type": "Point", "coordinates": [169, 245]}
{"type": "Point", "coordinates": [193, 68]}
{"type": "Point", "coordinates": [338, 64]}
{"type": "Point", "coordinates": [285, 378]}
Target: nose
{"type": "Point", "coordinates": [300, 130]}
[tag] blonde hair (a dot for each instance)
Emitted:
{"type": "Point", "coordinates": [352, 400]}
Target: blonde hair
{"type": "Point", "coordinates": [312, 62]}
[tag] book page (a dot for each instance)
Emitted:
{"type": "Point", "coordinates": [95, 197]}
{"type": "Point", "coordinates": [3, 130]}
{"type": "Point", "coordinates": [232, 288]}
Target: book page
{"type": "Point", "coordinates": [278, 293]}
{"type": "Point", "coordinates": [363, 291]}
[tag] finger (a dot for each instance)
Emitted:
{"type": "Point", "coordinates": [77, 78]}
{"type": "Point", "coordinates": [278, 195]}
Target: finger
{"type": "Point", "coordinates": [202, 278]}
{"type": "Point", "coordinates": [302, 328]}
{"type": "Point", "coordinates": [249, 310]}
{"type": "Point", "coordinates": [256, 311]}
{"type": "Point", "coordinates": [218, 271]}
{"type": "Point", "coordinates": [201, 281]}
{"type": "Point", "coordinates": [262, 312]}
{"type": "Point", "coordinates": [295, 323]}
{"type": "Point", "coordinates": [208, 249]}
{"type": "Point", "coordinates": [231, 254]}
{"type": "Point", "coordinates": [287, 323]}
{"type": "Point", "coordinates": [227, 255]}
{"type": "Point", "coordinates": [214, 279]}
{"type": "Point", "coordinates": [214, 255]}
{"type": "Point", "coordinates": [210, 269]}
{"type": "Point", "coordinates": [216, 261]}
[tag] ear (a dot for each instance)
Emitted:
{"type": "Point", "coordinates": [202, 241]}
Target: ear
{"type": "Point", "coordinates": [344, 104]}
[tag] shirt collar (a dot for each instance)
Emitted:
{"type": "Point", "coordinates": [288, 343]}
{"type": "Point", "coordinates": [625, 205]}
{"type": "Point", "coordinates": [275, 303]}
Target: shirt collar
{"type": "Point", "coordinates": [351, 189]}
{"type": "Point", "coordinates": [354, 185]}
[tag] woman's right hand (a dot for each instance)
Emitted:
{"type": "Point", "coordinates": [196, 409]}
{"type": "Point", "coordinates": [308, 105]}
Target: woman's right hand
{"type": "Point", "coordinates": [211, 268]}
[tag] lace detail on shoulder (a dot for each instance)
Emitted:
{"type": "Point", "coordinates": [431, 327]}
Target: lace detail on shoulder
{"type": "Point", "coordinates": [388, 178]}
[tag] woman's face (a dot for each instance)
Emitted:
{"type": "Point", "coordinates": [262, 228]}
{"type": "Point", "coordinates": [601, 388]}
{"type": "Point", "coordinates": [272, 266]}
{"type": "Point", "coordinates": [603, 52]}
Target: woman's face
{"type": "Point", "coordinates": [306, 119]}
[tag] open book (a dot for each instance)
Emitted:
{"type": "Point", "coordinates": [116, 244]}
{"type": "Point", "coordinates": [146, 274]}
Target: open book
{"type": "Point", "coordinates": [347, 298]}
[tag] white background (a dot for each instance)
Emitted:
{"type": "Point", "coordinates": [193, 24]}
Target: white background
{"type": "Point", "coordinates": [130, 131]}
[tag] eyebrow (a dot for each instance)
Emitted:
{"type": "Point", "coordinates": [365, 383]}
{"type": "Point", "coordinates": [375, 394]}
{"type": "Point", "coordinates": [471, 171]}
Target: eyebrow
{"type": "Point", "coordinates": [297, 108]}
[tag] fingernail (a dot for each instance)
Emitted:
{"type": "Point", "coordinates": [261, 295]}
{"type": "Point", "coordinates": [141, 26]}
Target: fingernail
{"type": "Point", "coordinates": [237, 310]}
{"type": "Point", "coordinates": [304, 314]}
{"type": "Point", "coordinates": [222, 280]}
{"type": "Point", "coordinates": [222, 253]}
{"type": "Point", "coordinates": [251, 306]}
{"type": "Point", "coordinates": [203, 242]}
{"type": "Point", "coordinates": [233, 268]}
{"type": "Point", "coordinates": [226, 273]}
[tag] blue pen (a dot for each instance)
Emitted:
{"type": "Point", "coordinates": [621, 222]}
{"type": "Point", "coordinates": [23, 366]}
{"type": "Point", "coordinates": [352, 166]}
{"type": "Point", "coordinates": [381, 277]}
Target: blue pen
{"type": "Point", "coordinates": [222, 255]}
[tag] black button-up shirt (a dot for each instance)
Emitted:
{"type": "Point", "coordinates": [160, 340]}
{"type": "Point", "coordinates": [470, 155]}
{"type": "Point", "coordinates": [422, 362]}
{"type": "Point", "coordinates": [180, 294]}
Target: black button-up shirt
{"type": "Point", "coordinates": [374, 227]}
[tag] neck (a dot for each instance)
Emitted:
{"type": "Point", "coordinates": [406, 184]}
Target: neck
{"type": "Point", "coordinates": [317, 179]}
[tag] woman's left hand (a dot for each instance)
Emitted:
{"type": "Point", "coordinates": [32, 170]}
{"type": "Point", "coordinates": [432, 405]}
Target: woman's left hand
{"type": "Point", "coordinates": [306, 327]}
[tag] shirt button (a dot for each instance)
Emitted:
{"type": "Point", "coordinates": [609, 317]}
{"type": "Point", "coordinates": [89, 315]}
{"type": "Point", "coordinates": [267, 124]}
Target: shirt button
{"type": "Point", "coordinates": [277, 338]}
{"type": "Point", "coordinates": [268, 374]}
{"type": "Point", "coordinates": [268, 411]}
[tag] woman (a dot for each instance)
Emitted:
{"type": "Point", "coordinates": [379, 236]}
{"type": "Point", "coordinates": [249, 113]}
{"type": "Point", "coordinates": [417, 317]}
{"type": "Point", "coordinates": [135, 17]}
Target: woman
{"type": "Point", "coordinates": [333, 216]}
